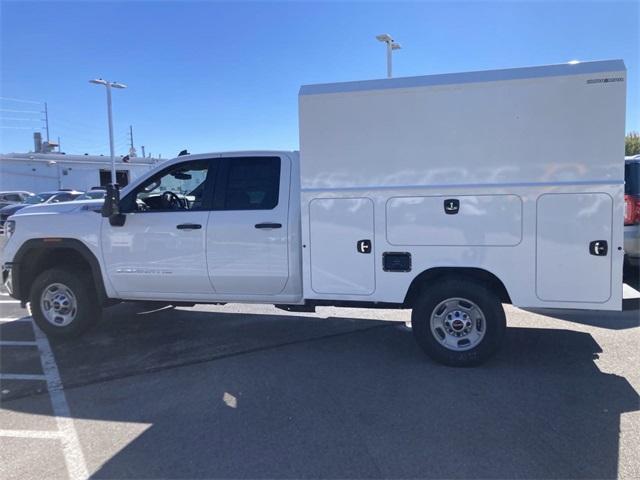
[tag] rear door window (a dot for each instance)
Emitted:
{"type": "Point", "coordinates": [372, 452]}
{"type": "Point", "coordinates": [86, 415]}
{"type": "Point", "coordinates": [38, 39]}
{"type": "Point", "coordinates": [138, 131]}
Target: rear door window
{"type": "Point", "coordinates": [252, 183]}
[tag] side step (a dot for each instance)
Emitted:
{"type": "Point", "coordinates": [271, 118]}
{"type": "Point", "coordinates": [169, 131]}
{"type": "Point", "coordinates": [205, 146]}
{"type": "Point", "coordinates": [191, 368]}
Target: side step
{"type": "Point", "coordinates": [297, 308]}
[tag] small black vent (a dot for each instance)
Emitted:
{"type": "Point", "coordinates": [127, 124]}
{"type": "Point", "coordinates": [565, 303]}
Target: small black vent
{"type": "Point", "coordinates": [396, 261]}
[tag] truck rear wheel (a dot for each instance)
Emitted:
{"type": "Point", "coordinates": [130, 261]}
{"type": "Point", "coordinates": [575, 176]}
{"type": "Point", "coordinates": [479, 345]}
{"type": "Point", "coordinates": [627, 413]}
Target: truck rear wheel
{"type": "Point", "coordinates": [458, 323]}
{"type": "Point", "coordinates": [63, 302]}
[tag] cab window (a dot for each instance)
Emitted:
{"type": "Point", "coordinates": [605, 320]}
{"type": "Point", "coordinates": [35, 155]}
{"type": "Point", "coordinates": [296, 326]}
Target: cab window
{"type": "Point", "coordinates": [252, 183]}
{"type": "Point", "coordinates": [180, 187]}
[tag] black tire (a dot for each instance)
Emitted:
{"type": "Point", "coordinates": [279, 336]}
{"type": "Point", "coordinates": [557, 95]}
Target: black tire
{"type": "Point", "coordinates": [485, 300]}
{"type": "Point", "coordinates": [88, 311]}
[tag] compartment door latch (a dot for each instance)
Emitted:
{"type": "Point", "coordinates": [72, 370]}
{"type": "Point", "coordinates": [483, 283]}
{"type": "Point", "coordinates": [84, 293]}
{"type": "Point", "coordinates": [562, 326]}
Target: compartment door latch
{"type": "Point", "coordinates": [599, 248]}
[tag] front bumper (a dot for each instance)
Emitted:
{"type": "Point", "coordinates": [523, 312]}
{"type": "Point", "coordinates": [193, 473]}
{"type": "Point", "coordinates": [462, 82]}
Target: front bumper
{"type": "Point", "coordinates": [9, 271]}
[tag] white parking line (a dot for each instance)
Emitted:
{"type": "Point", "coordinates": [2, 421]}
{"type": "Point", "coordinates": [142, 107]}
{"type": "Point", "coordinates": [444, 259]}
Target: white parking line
{"type": "Point", "coordinates": [9, 320]}
{"type": "Point", "coordinates": [15, 343]}
{"type": "Point", "coordinates": [9, 301]}
{"type": "Point", "coordinates": [73, 455]}
{"type": "Point", "coordinates": [30, 434]}
{"type": "Point", "coordinates": [21, 376]}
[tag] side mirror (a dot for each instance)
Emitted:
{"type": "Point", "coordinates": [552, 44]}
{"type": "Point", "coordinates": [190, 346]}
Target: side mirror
{"type": "Point", "coordinates": [111, 205]}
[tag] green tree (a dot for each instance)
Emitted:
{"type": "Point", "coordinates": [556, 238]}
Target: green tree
{"type": "Point", "coordinates": [632, 143]}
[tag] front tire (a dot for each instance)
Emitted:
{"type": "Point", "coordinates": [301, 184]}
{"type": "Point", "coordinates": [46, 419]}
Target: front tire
{"type": "Point", "coordinates": [458, 323]}
{"type": "Point", "coordinates": [63, 302]}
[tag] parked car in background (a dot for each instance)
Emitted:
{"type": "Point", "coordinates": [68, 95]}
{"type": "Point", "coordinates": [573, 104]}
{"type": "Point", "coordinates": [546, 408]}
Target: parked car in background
{"type": "Point", "coordinates": [41, 198]}
{"type": "Point", "coordinates": [632, 211]}
{"type": "Point", "coordinates": [96, 193]}
{"type": "Point", "coordinates": [13, 198]}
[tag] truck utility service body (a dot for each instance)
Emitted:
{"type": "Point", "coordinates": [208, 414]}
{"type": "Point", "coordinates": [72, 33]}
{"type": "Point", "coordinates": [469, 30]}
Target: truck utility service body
{"type": "Point", "coordinates": [511, 180]}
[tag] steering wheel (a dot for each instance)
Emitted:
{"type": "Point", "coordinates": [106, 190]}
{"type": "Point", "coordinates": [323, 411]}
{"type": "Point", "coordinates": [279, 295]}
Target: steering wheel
{"type": "Point", "coordinates": [171, 201]}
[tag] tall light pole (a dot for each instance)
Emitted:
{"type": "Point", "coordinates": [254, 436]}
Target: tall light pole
{"type": "Point", "coordinates": [391, 46]}
{"type": "Point", "coordinates": [109, 86]}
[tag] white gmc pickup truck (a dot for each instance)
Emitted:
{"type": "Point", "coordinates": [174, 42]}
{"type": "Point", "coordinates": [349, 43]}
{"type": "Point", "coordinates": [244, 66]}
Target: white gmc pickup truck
{"type": "Point", "coordinates": [447, 194]}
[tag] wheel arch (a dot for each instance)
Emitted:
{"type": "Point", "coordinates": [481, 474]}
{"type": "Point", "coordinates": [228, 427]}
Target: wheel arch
{"type": "Point", "coordinates": [437, 274]}
{"type": "Point", "coordinates": [37, 255]}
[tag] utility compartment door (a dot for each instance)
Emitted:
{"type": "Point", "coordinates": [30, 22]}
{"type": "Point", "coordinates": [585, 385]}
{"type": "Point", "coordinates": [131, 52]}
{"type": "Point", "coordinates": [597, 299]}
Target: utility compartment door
{"type": "Point", "coordinates": [341, 263]}
{"type": "Point", "coordinates": [571, 267]}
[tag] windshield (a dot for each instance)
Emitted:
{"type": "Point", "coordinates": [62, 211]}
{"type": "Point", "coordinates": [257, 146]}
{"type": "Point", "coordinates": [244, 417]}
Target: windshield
{"type": "Point", "coordinates": [40, 198]}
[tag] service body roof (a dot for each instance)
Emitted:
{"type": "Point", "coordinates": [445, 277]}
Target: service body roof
{"type": "Point", "coordinates": [558, 123]}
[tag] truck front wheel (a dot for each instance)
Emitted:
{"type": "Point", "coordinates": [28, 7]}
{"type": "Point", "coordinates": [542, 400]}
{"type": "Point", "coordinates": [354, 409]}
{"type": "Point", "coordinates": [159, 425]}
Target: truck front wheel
{"type": "Point", "coordinates": [458, 323]}
{"type": "Point", "coordinates": [63, 302]}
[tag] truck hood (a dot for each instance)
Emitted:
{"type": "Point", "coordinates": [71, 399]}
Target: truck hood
{"type": "Point", "coordinates": [62, 207]}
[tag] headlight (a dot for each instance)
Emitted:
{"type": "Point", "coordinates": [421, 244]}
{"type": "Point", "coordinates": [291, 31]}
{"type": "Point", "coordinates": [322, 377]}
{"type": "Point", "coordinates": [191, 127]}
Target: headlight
{"type": "Point", "coordinates": [9, 227]}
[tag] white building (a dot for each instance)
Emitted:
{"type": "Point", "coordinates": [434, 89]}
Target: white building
{"type": "Point", "coordinates": [37, 172]}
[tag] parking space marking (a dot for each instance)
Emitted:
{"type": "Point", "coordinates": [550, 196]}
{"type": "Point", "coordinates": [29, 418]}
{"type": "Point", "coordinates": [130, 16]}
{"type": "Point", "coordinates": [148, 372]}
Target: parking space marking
{"type": "Point", "coordinates": [9, 320]}
{"type": "Point", "coordinates": [16, 343]}
{"type": "Point", "coordinates": [21, 376]}
{"type": "Point", "coordinates": [74, 458]}
{"type": "Point", "coordinates": [30, 434]}
{"type": "Point", "coordinates": [9, 301]}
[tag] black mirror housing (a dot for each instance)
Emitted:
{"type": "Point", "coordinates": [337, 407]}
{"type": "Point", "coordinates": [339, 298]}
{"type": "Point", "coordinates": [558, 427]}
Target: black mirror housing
{"type": "Point", "coordinates": [111, 205]}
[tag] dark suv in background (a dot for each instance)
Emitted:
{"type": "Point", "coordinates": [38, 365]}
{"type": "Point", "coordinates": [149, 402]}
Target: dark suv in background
{"type": "Point", "coordinates": [632, 211]}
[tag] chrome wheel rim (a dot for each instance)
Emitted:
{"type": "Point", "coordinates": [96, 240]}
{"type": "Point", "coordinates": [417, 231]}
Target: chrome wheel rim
{"type": "Point", "coordinates": [458, 324]}
{"type": "Point", "coordinates": [58, 305]}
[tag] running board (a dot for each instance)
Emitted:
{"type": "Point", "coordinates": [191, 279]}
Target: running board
{"type": "Point", "coordinates": [297, 308]}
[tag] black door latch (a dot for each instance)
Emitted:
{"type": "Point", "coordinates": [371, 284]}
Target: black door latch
{"type": "Point", "coordinates": [451, 206]}
{"type": "Point", "coordinates": [598, 248]}
{"type": "Point", "coordinates": [364, 246]}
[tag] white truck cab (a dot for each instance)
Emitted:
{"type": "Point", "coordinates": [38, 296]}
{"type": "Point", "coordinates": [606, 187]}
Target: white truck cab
{"type": "Point", "coordinates": [447, 194]}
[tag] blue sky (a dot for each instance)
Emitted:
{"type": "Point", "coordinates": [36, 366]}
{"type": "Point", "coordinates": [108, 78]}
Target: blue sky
{"type": "Point", "coordinates": [210, 76]}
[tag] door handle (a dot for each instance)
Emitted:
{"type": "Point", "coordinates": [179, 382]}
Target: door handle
{"type": "Point", "coordinates": [268, 225]}
{"type": "Point", "coordinates": [189, 226]}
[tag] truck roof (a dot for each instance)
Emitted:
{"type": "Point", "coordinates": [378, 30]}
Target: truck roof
{"type": "Point", "coordinates": [467, 77]}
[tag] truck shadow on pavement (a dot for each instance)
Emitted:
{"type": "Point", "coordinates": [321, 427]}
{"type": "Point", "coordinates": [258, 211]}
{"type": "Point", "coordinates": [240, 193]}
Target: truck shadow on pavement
{"type": "Point", "coordinates": [292, 397]}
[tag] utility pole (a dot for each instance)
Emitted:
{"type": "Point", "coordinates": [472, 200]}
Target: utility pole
{"type": "Point", "coordinates": [59, 145]}
{"type": "Point", "coordinates": [46, 119]}
{"type": "Point", "coordinates": [132, 149]}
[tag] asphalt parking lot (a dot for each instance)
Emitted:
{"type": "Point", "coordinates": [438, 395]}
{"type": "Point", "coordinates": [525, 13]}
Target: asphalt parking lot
{"type": "Point", "coordinates": [253, 392]}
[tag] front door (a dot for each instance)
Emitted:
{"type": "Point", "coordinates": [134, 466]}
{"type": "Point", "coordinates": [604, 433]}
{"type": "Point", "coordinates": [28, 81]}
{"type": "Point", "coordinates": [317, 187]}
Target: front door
{"type": "Point", "coordinates": [160, 249]}
{"type": "Point", "coordinates": [247, 236]}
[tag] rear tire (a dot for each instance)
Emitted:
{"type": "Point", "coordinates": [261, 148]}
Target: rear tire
{"type": "Point", "coordinates": [63, 302]}
{"type": "Point", "coordinates": [458, 323]}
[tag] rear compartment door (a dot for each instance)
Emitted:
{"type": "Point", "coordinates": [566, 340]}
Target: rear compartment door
{"type": "Point", "coordinates": [342, 249]}
{"type": "Point", "coordinates": [573, 247]}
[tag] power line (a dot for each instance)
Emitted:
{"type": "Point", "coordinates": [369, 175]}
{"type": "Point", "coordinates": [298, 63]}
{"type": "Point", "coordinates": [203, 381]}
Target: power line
{"type": "Point", "coordinates": [20, 111]}
{"type": "Point", "coordinates": [21, 119]}
{"type": "Point", "coordinates": [9, 99]}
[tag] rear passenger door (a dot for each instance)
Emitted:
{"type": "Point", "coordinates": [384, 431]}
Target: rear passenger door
{"type": "Point", "coordinates": [247, 233]}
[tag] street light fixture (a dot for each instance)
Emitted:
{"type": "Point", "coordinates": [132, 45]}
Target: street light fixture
{"type": "Point", "coordinates": [110, 85]}
{"type": "Point", "coordinates": [391, 46]}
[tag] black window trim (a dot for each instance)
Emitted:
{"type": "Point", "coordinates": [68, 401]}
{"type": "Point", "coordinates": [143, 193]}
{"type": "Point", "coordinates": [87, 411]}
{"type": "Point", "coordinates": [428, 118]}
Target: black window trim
{"type": "Point", "coordinates": [209, 182]}
{"type": "Point", "coordinates": [220, 193]}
